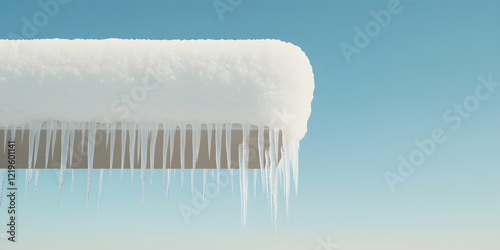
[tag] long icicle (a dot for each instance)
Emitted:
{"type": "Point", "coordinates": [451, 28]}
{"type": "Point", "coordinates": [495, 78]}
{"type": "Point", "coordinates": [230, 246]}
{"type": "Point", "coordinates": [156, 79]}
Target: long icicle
{"type": "Point", "coordinates": [54, 138]}
{"type": "Point", "coordinates": [112, 147]}
{"type": "Point", "coordinates": [196, 136]}
{"type": "Point", "coordinates": [166, 134]}
{"type": "Point", "coordinates": [209, 137]}
{"type": "Point", "coordinates": [182, 151]}
{"type": "Point", "coordinates": [31, 140]}
{"type": "Point", "coordinates": [64, 156]}
{"type": "Point", "coordinates": [228, 151]}
{"type": "Point", "coordinates": [5, 133]}
{"type": "Point", "coordinates": [90, 157]}
{"type": "Point", "coordinates": [172, 131]}
{"type": "Point", "coordinates": [132, 129]}
{"type": "Point", "coordinates": [143, 138]}
{"type": "Point", "coordinates": [245, 151]}
{"type": "Point", "coordinates": [260, 142]}
{"type": "Point", "coordinates": [47, 142]}
{"type": "Point", "coordinates": [152, 147]}
{"type": "Point", "coordinates": [242, 192]}
{"type": "Point", "coordinates": [124, 145]}
{"type": "Point", "coordinates": [218, 145]}
{"type": "Point", "coordinates": [72, 128]}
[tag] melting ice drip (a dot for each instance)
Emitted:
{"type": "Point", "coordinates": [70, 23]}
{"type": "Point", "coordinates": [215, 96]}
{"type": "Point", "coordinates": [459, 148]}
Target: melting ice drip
{"type": "Point", "coordinates": [275, 161]}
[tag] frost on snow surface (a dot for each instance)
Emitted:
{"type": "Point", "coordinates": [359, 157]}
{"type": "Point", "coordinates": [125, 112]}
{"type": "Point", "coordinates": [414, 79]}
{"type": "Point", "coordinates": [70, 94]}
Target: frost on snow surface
{"type": "Point", "coordinates": [138, 90]}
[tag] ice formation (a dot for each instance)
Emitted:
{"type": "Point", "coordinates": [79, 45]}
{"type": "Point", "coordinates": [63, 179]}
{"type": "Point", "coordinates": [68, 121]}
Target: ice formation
{"type": "Point", "coordinates": [144, 89]}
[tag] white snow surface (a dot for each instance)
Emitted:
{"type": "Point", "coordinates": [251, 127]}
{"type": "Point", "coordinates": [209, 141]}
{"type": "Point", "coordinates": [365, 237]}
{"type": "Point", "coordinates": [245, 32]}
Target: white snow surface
{"type": "Point", "coordinates": [253, 82]}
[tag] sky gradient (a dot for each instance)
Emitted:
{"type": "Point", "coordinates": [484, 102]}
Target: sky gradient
{"type": "Point", "coordinates": [398, 87]}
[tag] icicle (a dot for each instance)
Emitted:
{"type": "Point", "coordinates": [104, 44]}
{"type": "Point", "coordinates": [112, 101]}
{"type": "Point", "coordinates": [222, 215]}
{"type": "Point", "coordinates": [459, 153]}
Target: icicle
{"type": "Point", "coordinates": [71, 142]}
{"type": "Point", "coordinates": [64, 157]}
{"type": "Point", "coordinates": [143, 138]}
{"type": "Point", "coordinates": [272, 168]}
{"type": "Point", "coordinates": [204, 184]}
{"type": "Point", "coordinates": [166, 134]}
{"type": "Point", "coordinates": [152, 146]}
{"type": "Point", "coordinates": [228, 150]}
{"type": "Point", "coordinates": [295, 163]}
{"type": "Point", "coordinates": [22, 133]}
{"type": "Point", "coordinates": [31, 141]}
{"type": "Point", "coordinates": [124, 144]}
{"type": "Point", "coordinates": [112, 147]}
{"type": "Point", "coordinates": [38, 128]}
{"type": "Point", "coordinates": [196, 136]}
{"type": "Point", "coordinates": [100, 191]}
{"type": "Point", "coordinates": [218, 143]}
{"type": "Point", "coordinates": [244, 168]}
{"type": "Point", "coordinates": [54, 137]}
{"type": "Point", "coordinates": [267, 173]}
{"type": "Point", "coordinates": [209, 137]}
{"type": "Point", "coordinates": [82, 128]}
{"type": "Point", "coordinates": [37, 175]}
{"type": "Point", "coordinates": [12, 133]}
{"type": "Point", "coordinates": [90, 156]}
{"type": "Point", "coordinates": [172, 131]}
{"type": "Point", "coordinates": [242, 192]}
{"type": "Point", "coordinates": [286, 158]}
{"type": "Point", "coordinates": [3, 176]}
{"type": "Point", "coordinates": [260, 143]}
{"type": "Point", "coordinates": [108, 129]}
{"type": "Point", "coordinates": [182, 151]}
{"type": "Point", "coordinates": [5, 133]}
{"type": "Point", "coordinates": [132, 129]}
{"type": "Point", "coordinates": [138, 145]}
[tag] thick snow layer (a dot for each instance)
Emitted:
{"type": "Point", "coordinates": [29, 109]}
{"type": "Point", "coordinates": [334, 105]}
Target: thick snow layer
{"type": "Point", "coordinates": [254, 82]}
{"type": "Point", "coordinates": [141, 86]}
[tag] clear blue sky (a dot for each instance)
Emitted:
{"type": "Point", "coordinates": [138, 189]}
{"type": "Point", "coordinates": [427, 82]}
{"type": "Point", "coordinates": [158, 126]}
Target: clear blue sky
{"type": "Point", "coordinates": [365, 115]}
